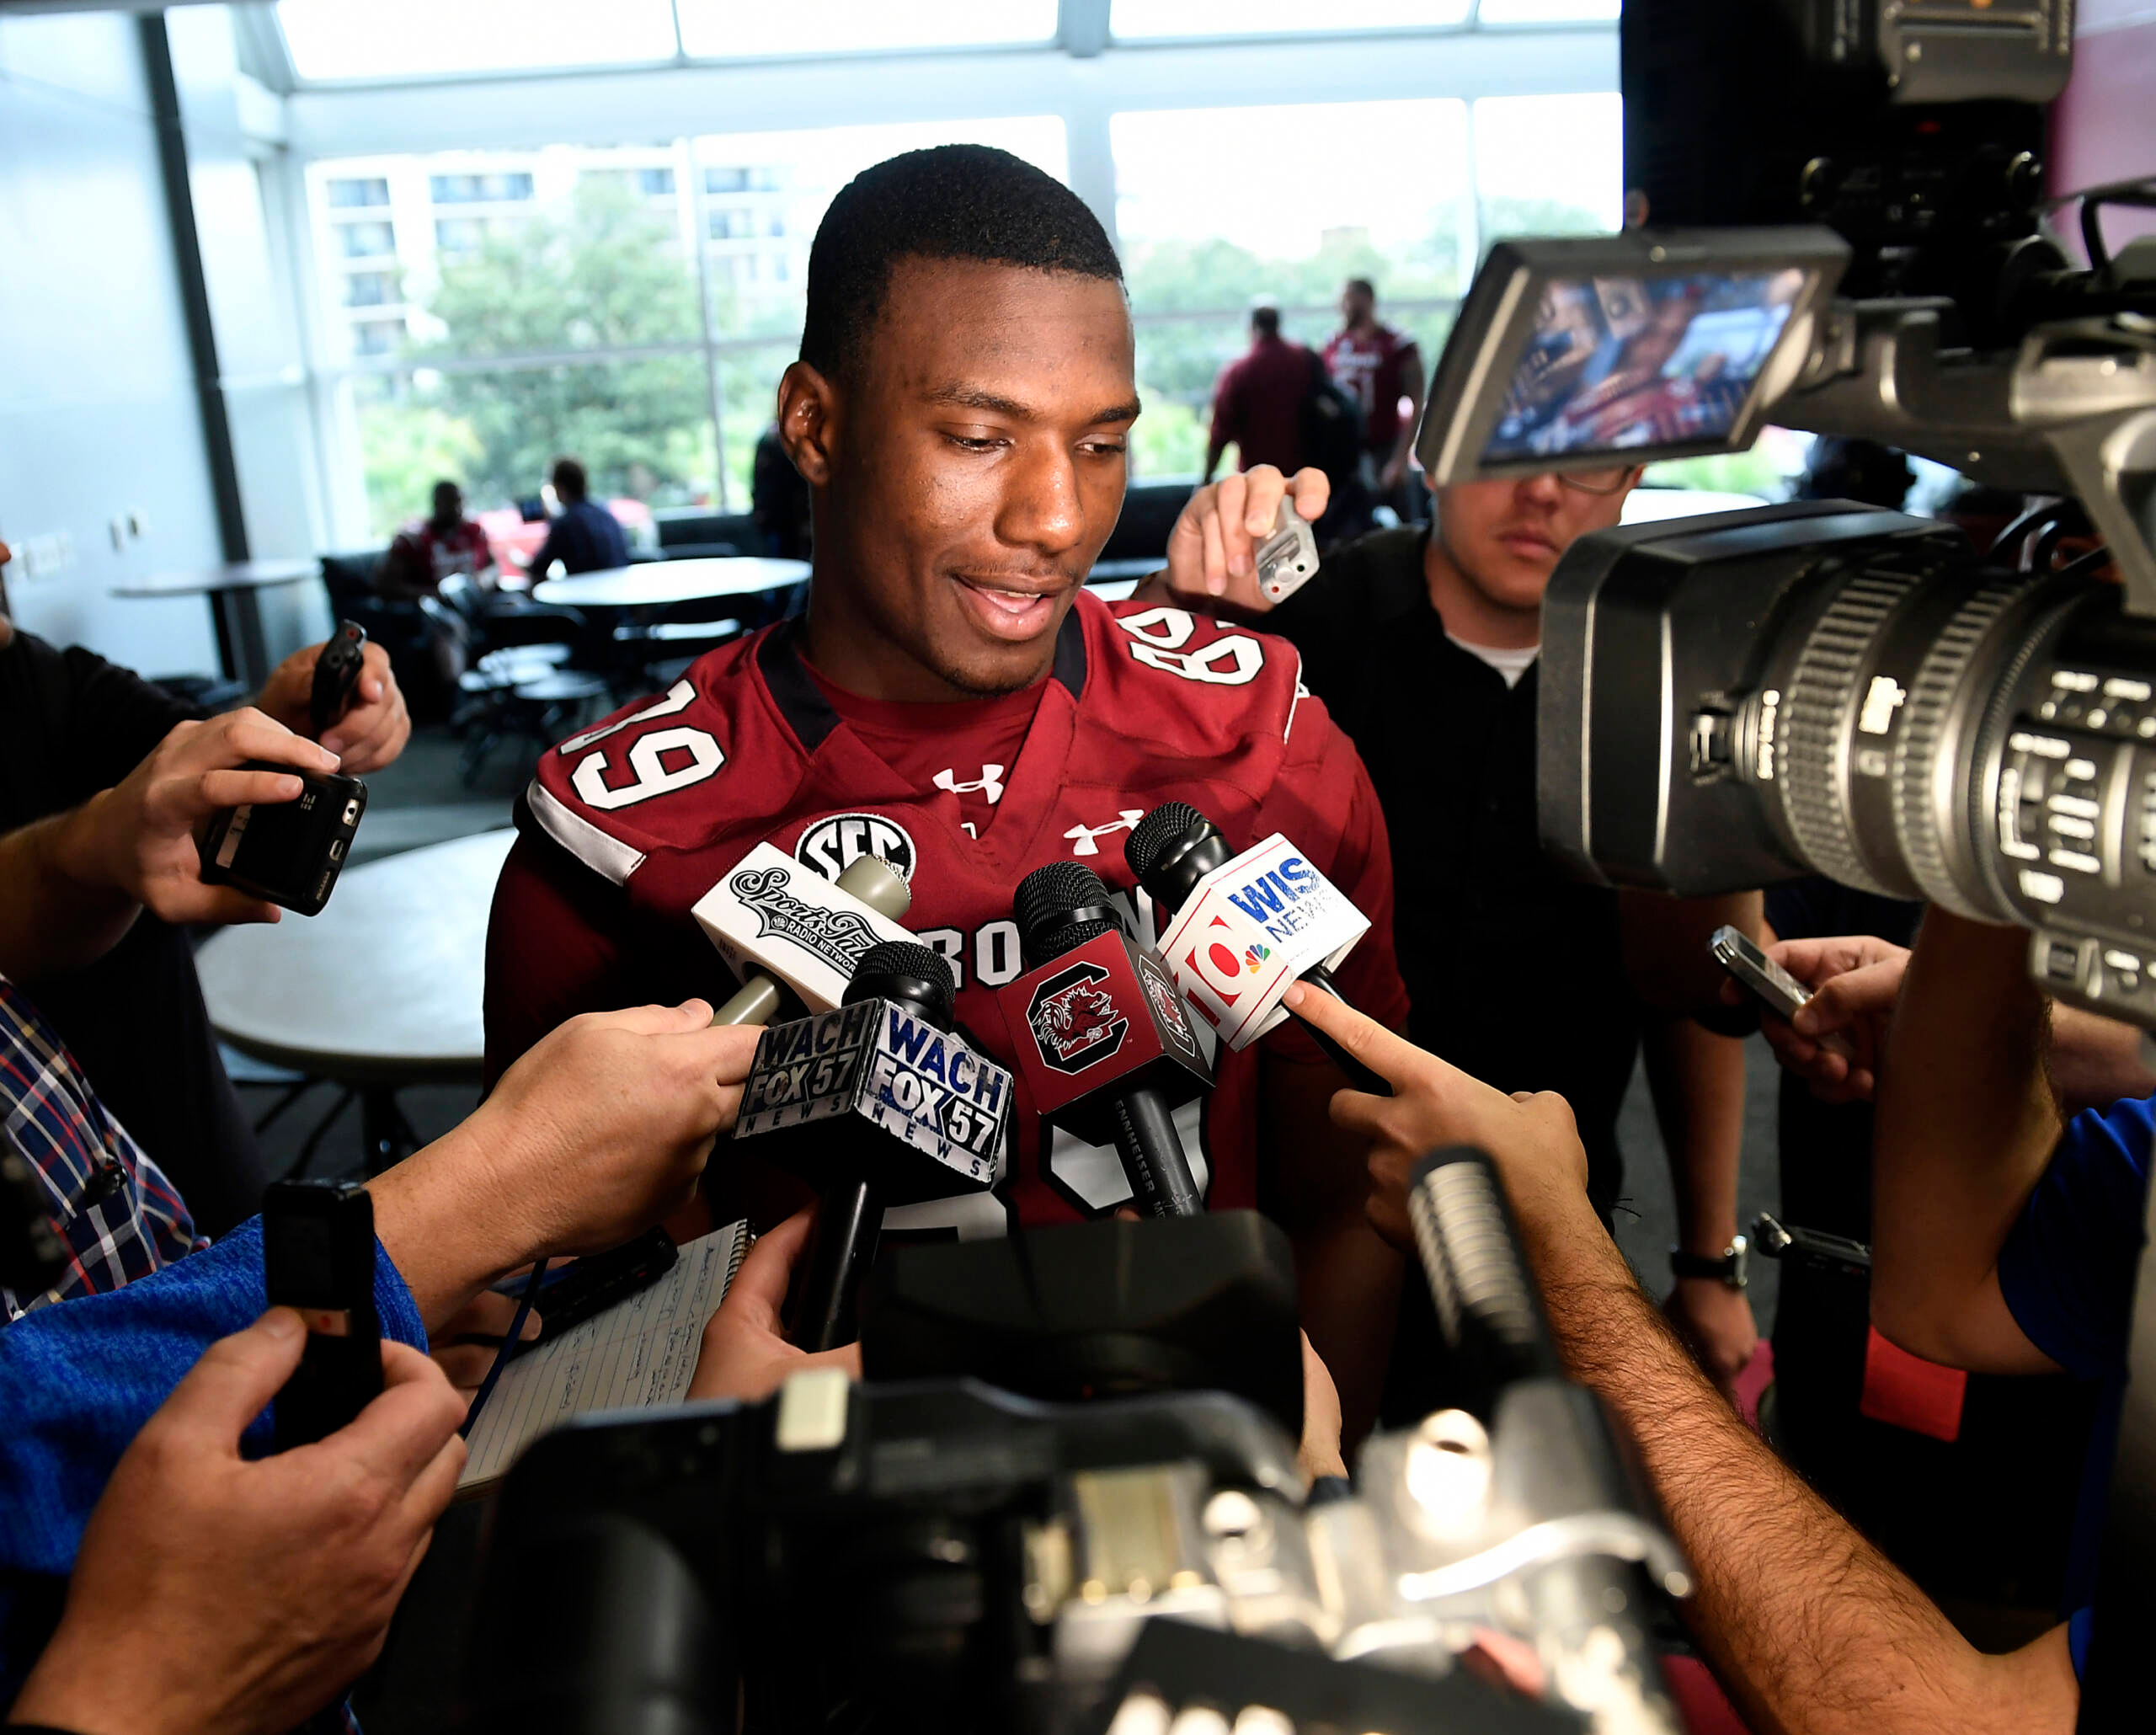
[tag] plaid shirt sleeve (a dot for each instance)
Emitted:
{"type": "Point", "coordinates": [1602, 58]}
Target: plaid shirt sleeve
{"type": "Point", "coordinates": [120, 1217]}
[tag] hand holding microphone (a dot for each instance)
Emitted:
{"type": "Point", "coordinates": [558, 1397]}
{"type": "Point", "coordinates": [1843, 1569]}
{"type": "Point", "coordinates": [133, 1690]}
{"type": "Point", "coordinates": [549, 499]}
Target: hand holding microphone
{"type": "Point", "coordinates": [1245, 927]}
{"type": "Point", "coordinates": [878, 1104]}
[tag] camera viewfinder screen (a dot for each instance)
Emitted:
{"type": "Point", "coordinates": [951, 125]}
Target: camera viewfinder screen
{"type": "Point", "coordinates": [1618, 363]}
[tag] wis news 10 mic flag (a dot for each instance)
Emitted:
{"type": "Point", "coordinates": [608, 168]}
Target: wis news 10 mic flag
{"type": "Point", "coordinates": [1249, 929]}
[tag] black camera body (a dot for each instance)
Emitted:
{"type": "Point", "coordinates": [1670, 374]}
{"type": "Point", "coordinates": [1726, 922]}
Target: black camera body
{"type": "Point", "coordinates": [289, 852]}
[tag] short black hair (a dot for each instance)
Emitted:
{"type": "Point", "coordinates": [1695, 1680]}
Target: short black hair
{"type": "Point", "coordinates": [950, 202]}
{"type": "Point", "coordinates": [1265, 319]}
{"type": "Point", "coordinates": [570, 481]}
{"type": "Point", "coordinates": [1363, 284]}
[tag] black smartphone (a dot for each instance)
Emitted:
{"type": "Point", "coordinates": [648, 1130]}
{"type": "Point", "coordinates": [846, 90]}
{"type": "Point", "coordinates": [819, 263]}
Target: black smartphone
{"type": "Point", "coordinates": [337, 674]}
{"type": "Point", "coordinates": [289, 853]}
{"type": "Point", "coordinates": [317, 1256]}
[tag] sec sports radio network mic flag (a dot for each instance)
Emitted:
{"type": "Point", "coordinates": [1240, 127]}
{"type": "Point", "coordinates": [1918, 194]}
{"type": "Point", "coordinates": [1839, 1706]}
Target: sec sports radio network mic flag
{"type": "Point", "coordinates": [1249, 929]}
{"type": "Point", "coordinates": [771, 914]}
{"type": "Point", "coordinates": [883, 1063]}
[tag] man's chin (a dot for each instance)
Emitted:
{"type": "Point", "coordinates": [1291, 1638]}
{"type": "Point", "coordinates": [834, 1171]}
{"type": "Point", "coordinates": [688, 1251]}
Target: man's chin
{"type": "Point", "coordinates": [987, 664]}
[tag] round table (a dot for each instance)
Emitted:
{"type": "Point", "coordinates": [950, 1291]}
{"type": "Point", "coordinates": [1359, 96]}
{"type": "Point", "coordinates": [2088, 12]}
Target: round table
{"type": "Point", "coordinates": [657, 583]}
{"type": "Point", "coordinates": [384, 988]}
{"type": "Point", "coordinates": [234, 606]}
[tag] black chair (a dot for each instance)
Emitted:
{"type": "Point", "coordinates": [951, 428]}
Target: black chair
{"type": "Point", "coordinates": [1138, 546]}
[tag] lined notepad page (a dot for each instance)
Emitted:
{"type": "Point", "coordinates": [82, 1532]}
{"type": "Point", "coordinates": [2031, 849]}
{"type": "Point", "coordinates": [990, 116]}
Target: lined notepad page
{"type": "Point", "coordinates": [639, 1354]}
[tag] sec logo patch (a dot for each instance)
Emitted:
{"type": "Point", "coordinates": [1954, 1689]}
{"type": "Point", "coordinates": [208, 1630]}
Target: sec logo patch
{"type": "Point", "coordinates": [830, 846]}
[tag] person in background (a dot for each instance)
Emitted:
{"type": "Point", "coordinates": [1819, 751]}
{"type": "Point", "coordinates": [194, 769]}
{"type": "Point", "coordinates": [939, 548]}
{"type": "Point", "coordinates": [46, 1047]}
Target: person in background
{"type": "Point", "coordinates": [76, 726]}
{"type": "Point", "coordinates": [585, 537]}
{"type": "Point", "coordinates": [779, 499]}
{"type": "Point", "coordinates": [1423, 642]}
{"type": "Point", "coordinates": [1257, 406]}
{"type": "Point", "coordinates": [1382, 369]}
{"type": "Point", "coordinates": [423, 554]}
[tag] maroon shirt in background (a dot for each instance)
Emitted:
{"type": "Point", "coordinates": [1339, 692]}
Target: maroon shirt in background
{"type": "Point", "coordinates": [1372, 368]}
{"type": "Point", "coordinates": [1258, 404]}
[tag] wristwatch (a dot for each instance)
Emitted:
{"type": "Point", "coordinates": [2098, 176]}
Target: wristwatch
{"type": "Point", "coordinates": [1733, 1267]}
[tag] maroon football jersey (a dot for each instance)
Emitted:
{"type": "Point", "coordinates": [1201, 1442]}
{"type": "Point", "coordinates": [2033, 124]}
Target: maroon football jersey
{"type": "Point", "coordinates": [626, 825]}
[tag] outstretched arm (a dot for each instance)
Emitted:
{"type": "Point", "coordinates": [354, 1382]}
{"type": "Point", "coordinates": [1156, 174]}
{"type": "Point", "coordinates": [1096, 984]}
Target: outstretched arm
{"type": "Point", "coordinates": [1966, 1123]}
{"type": "Point", "coordinates": [1813, 1631]}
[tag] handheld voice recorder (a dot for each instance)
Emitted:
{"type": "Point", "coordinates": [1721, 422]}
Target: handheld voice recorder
{"type": "Point", "coordinates": [317, 1256]}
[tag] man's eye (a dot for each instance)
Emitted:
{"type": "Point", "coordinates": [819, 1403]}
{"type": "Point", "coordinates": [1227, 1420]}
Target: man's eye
{"type": "Point", "coordinates": [1103, 448]}
{"type": "Point", "coordinates": [973, 442]}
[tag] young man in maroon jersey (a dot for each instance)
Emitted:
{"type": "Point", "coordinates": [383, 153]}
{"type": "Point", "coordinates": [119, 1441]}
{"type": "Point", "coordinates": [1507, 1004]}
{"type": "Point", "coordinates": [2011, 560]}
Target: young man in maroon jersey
{"type": "Point", "coordinates": [954, 702]}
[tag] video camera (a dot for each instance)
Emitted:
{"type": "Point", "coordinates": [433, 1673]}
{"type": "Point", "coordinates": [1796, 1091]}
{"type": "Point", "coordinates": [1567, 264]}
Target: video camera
{"type": "Point", "coordinates": [1820, 688]}
{"type": "Point", "coordinates": [941, 1555]}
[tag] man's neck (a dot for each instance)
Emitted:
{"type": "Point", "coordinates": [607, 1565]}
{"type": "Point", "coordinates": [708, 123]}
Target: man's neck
{"type": "Point", "coordinates": [1363, 328]}
{"type": "Point", "coordinates": [1468, 612]}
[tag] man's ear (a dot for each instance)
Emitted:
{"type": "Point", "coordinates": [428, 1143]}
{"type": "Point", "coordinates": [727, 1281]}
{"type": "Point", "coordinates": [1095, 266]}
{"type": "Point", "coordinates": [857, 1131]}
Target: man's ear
{"type": "Point", "coordinates": [808, 422]}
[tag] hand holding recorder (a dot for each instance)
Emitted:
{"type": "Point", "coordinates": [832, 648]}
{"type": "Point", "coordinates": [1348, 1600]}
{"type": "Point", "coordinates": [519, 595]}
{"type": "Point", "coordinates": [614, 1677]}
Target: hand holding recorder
{"type": "Point", "coordinates": [1213, 549]}
{"type": "Point", "coordinates": [1834, 1037]}
{"type": "Point", "coordinates": [360, 716]}
{"type": "Point", "coordinates": [211, 1594]}
{"type": "Point", "coordinates": [138, 838]}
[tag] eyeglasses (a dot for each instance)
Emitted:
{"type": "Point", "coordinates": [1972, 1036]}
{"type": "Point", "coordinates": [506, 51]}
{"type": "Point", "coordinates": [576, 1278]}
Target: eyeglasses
{"type": "Point", "coordinates": [1598, 482]}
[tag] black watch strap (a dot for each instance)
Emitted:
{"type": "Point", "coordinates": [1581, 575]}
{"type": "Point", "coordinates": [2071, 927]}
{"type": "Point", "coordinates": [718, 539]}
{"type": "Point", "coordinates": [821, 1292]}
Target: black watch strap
{"type": "Point", "coordinates": [1729, 1267]}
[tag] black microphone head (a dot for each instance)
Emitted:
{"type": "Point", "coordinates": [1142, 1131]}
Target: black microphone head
{"type": "Point", "coordinates": [1049, 899]}
{"type": "Point", "coordinates": [910, 973]}
{"type": "Point", "coordinates": [1171, 848]}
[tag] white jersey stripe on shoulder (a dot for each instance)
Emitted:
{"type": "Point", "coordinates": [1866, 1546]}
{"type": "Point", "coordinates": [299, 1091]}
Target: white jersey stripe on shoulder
{"type": "Point", "coordinates": [604, 855]}
{"type": "Point", "coordinates": [1302, 693]}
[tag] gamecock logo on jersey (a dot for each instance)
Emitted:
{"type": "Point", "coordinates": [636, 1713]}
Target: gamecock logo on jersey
{"type": "Point", "coordinates": [1075, 1021]}
{"type": "Point", "coordinates": [832, 846]}
{"type": "Point", "coordinates": [841, 937]}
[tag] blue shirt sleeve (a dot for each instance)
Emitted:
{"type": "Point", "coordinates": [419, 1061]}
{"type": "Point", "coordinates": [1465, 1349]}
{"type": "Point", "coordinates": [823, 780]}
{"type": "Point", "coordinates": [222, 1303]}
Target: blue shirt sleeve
{"type": "Point", "coordinates": [2067, 1269]}
{"type": "Point", "coordinates": [78, 1378]}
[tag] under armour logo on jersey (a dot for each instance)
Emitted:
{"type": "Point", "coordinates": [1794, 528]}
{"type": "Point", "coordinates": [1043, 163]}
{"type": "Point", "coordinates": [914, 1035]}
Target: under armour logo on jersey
{"type": "Point", "coordinates": [990, 783]}
{"type": "Point", "coordinates": [1085, 840]}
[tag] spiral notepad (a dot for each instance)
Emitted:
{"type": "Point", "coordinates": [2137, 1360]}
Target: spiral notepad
{"type": "Point", "coordinates": [640, 1354]}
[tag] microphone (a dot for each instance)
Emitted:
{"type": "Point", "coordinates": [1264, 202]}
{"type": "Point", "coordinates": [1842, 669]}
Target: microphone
{"type": "Point", "coordinates": [1245, 926]}
{"type": "Point", "coordinates": [1101, 1036]}
{"type": "Point", "coordinates": [779, 925]}
{"type": "Point", "coordinates": [1557, 1473]}
{"type": "Point", "coordinates": [878, 1104]}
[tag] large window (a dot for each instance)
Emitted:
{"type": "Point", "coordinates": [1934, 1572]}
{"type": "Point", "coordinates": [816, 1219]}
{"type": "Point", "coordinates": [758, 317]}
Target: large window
{"type": "Point", "coordinates": [1380, 190]}
{"type": "Point", "coordinates": [678, 268]}
{"type": "Point", "coordinates": [399, 39]}
{"type": "Point", "coordinates": [1139, 20]}
{"type": "Point", "coordinates": [1203, 238]}
{"type": "Point", "coordinates": [722, 29]}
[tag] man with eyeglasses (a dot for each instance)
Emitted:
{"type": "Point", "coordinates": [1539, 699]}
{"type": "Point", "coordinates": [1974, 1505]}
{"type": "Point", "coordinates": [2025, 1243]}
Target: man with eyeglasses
{"type": "Point", "coordinates": [1421, 640]}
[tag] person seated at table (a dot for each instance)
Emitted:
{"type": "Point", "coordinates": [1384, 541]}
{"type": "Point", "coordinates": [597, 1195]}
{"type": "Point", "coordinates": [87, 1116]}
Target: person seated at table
{"type": "Point", "coordinates": [76, 726]}
{"type": "Point", "coordinates": [585, 537]}
{"type": "Point", "coordinates": [603, 1132]}
{"type": "Point", "coordinates": [445, 543]}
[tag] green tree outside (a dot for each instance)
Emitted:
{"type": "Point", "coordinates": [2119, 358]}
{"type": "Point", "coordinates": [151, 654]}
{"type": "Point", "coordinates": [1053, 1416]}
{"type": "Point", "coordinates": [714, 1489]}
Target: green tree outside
{"type": "Point", "coordinates": [609, 275]}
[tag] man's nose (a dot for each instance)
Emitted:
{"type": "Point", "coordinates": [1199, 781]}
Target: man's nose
{"type": "Point", "coordinates": [1042, 509]}
{"type": "Point", "coordinates": [1544, 490]}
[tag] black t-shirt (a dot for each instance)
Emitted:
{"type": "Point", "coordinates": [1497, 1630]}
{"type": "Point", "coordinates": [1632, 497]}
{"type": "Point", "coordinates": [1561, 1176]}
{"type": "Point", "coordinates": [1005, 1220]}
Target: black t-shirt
{"type": "Point", "coordinates": [1515, 973]}
{"type": "Point", "coordinates": [134, 1020]}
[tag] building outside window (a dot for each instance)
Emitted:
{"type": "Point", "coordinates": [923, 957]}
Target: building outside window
{"type": "Point", "coordinates": [358, 190]}
{"type": "Point", "coordinates": [362, 241]}
{"type": "Point", "coordinates": [479, 189]}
